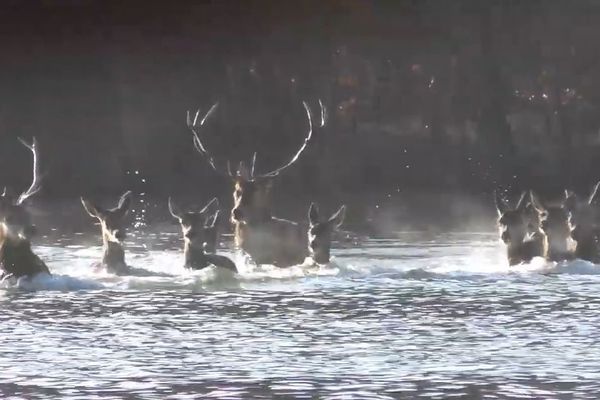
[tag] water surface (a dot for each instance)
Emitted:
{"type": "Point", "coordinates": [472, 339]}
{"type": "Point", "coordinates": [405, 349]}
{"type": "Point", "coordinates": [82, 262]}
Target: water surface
{"type": "Point", "coordinates": [428, 316]}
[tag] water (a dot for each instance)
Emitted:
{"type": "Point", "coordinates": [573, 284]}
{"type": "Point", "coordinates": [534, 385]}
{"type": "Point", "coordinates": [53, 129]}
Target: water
{"type": "Point", "coordinates": [427, 316]}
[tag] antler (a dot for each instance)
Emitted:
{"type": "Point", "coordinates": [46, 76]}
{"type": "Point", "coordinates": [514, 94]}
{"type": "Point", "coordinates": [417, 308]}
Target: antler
{"type": "Point", "coordinates": [192, 124]}
{"type": "Point", "coordinates": [198, 143]}
{"type": "Point", "coordinates": [296, 156]}
{"type": "Point", "coordinates": [36, 183]}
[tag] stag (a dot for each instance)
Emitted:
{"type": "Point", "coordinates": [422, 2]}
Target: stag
{"type": "Point", "coordinates": [112, 223]}
{"type": "Point", "coordinates": [518, 228]}
{"type": "Point", "coordinates": [200, 237]}
{"type": "Point", "coordinates": [584, 224]}
{"type": "Point", "coordinates": [16, 228]}
{"type": "Point", "coordinates": [266, 238]}
{"type": "Point", "coordinates": [554, 224]}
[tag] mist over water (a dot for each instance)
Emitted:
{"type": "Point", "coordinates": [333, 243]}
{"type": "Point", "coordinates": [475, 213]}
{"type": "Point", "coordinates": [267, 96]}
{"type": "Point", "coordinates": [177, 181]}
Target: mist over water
{"type": "Point", "coordinates": [419, 314]}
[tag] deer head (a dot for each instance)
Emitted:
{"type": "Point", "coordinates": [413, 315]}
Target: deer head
{"type": "Point", "coordinates": [111, 220]}
{"type": "Point", "coordinates": [199, 228]}
{"type": "Point", "coordinates": [320, 232]}
{"type": "Point", "coordinates": [252, 194]}
{"type": "Point", "coordinates": [584, 215]}
{"type": "Point", "coordinates": [14, 217]}
{"type": "Point", "coordinates": [554, 223]}
{"type": "Point", "coordinates": [513, 222]}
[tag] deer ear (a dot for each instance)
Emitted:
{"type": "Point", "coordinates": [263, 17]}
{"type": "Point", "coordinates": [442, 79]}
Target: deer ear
{"type": "Point", "coordinates": [536, 202]}
{"type": "Point", "coordinates": [173, 209]}
{"type": "Point", "coordinates": [207, 207]}
{"type": "Point", "coordinates": [313, 214]}
{"type": "Point", "coordinates": [501, 206]}
{"type": "Point", "coordinates": [211, 221]}
{"type": "Point", "coordinates": [594, 197]}
{"type": "Point", "coordinates": [124, 203]}
{"type": "Point", "coordinates": [91, 208]}
{"type": "Point", "coordinates": [338, 218]}
{"type": "Point", "coordinates": [522, 203]}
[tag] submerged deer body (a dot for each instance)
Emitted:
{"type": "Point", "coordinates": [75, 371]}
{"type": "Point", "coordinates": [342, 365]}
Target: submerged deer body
{"type": "Point", "coordinates": [584, 223]}
{"type": "Point", "coordinates": [554, 224]}
{"type": "Point", "coordinates": [267, 239]}
{"type": "Point", "coordinates": [200, 237]}
{"type": "Point", "coordinates": [519, 231]}
{"type": "Point", "coordinates": [16, 230]}
{"type": "Point", "coordinates": [113, 232]}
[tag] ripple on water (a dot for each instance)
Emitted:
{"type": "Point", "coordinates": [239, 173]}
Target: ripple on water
{"type": "Point", "coordinates": [444, 319]}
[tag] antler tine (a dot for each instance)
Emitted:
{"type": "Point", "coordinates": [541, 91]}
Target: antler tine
{"type": "Point", "coordinates": [36, 182]}
{"type": "Point", "coordinates": [323, 114]}
{"type": "Point", "coordinates": [192, 124]}
{"type": "Point", "coordinates": [299, 152]}
{"type": "Point", "coordinates": [253, 165]}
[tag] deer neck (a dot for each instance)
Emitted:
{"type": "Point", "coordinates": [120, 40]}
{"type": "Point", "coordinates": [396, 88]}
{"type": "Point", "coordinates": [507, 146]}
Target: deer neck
{"type": "Point", "coordinates": [556, 249]}
{"type": "Point", "coordinates": [194, 255]}
{"type": "Point", "coordinates": [114, 254]}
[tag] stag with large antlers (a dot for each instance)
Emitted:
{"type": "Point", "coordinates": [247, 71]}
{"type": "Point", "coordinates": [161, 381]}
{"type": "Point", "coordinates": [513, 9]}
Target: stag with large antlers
{"type": "Point", "coordinates": [267, 239]}
{"type": "Point", "coordinates": [16, 228]}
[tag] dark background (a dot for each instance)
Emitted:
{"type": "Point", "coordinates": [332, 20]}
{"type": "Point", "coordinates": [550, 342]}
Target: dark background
{"type": "Point", "coordinates": [427, 100]}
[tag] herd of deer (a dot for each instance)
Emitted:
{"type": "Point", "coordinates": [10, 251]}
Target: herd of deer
{"type": "Point", "coordinates": [530, 229]}
{"type": "Point", "coordinates": [262, 236]}
{"type": "Point", "coordinates": [558, 231]}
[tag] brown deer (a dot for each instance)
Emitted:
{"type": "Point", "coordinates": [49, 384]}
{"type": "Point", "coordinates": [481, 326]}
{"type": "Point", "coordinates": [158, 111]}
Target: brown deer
{"type": "Point", "coordinates": [518, 230]}
{"type": "Point", "coordinates": [200, 237]}
{"type": "Point", "coordinates": [554, 224]}
{"type": "Point", "coordinates": [320, 233]}
{"type": "Point", "coordinates": [585, 225]}
{"type": "Point", "coordinates": [16, 229]}
{"type": "Point", "coordinates": [267, 239]}
{"type": "Point", "coordinates": [112, 222]}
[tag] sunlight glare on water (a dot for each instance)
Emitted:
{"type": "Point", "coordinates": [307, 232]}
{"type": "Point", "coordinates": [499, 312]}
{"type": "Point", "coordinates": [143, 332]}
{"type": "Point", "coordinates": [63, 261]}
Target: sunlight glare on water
{"type": "Point", "coordinates": [436, 316]}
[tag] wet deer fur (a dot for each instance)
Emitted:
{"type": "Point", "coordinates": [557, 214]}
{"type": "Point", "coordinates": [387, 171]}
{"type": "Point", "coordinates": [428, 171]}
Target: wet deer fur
{"type": "Point", "coordinates": [112, 223]}
{"type": "Point", "coordinates": [518, 228]}
{"type": "Point", "coordinates": [200, 237]}
{"type": "Point", "coordinates": [16, 229]}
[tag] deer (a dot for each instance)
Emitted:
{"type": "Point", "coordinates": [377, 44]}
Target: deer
{"type": "Point", "coordinates": [17, 229]}
{"type": "Point", "coordinates": [518, 228]}
{"type": "Point", "coordinates": [554, 224]}
{"type": "Point", "coordinates": [200, 237]}
{"type": "Point", "coordinates": [320, 232]}
{"type": "Point", "coordinates": [113, 232]}
{"type": "Point", "coordinates": [264, 237]}
{"type": "Point", "coordinates": [584, 224]}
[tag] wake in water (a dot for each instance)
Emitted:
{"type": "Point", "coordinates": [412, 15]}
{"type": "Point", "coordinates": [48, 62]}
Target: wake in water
{"type": "Point", "coordinates": [163, 270]}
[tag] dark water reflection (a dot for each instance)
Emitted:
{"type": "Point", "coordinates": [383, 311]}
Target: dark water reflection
{"type": "Point", "coordinates": [435, 320]}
